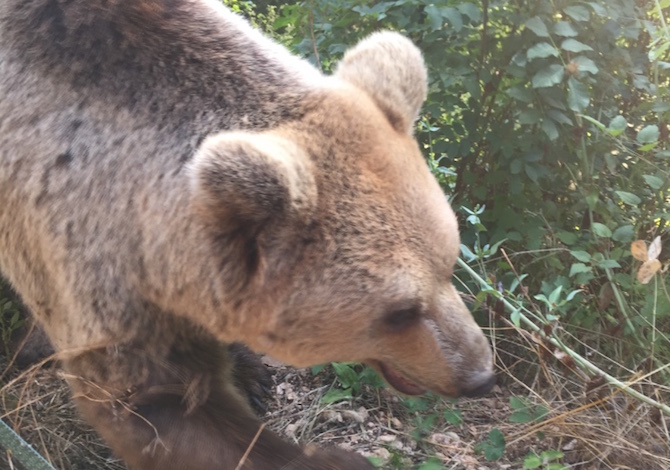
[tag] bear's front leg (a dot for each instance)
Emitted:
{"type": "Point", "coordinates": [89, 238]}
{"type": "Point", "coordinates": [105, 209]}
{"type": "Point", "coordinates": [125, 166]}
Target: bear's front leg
{"type": "Point", "coordinates": [181, 411]}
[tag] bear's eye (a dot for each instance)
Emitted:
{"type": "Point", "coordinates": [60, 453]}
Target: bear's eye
{"type": "Point", "coordinates": [402, 318]}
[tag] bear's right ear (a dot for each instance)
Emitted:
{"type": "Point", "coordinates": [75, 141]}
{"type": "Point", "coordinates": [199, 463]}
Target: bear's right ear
{"type": "Point", "coordinates": [242, 181]}
{"type": "Point", "coordinates": [391, 69]}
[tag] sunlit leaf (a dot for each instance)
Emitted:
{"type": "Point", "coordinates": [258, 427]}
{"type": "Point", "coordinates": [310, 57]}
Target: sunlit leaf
{"type": "Point", "coordinates": [565, 29]}
{"type": "Point", "coordinates": [577, 13]}
{"type": "Point", "coordinates": [649, 134]}
{"type": "Point", "coordinates": [572, 45]}
{"type": "Point", "coordinates": [584, 64]}
{"type": "Point", "coordinates": [578, 268]}
{"type": "Point", "coordinates": [537, 26]}
{"type": "Point", "coordinates": [541, 51]}
{"type": "Point", "coordinates": [471, 10]}
{"type": "Point", "coordinates": [629, 198]}
{"type": "Point", "coordinates": [582, 256]}
{"type": "Point", "coordinates": [653, 181]}
{"type": "Point", "coordinates": [617, 125]}
{"type": "Point", "coordinates": [579, 96]}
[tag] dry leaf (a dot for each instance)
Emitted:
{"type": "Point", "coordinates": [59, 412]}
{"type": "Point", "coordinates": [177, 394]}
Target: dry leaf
{"type": "Point", "coordinates": [639, 250]}
{"type": "Point", "coordinates": [647, 270]}
{"type": "Point", "coordinates": [654, 248]}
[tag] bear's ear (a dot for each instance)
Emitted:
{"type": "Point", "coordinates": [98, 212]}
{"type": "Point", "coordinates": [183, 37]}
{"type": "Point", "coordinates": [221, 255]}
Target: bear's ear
{"type": "Point", "coordinates": [242, 181]}
{"type": "Point", "coordinates": [391, 70]}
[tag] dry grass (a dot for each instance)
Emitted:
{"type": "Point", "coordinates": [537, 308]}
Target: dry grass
{"type": "Point", "coordinates": [597, 429]}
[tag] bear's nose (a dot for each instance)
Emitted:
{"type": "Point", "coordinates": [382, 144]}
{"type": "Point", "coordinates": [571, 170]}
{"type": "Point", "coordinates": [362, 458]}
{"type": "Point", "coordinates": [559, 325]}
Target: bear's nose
{"type": "Point", "coordinates": [479, 384]}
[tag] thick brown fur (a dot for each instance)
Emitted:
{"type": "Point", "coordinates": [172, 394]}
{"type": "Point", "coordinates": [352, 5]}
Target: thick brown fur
{"type": "Point", "coordinates": [171, 180]}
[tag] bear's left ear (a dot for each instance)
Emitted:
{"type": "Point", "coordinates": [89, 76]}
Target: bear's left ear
{"type": "Point", "coordinates": [390, 68]}
{"type": "Point", "coordinates": [243, 181]}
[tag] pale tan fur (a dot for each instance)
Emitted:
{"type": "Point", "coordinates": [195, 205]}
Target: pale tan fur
{"type": "Point", "coordinates": [171, 180]}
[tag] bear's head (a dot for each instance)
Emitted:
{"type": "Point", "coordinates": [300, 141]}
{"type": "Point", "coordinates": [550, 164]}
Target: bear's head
{"type": "Point", "coordinates": [339, 244]}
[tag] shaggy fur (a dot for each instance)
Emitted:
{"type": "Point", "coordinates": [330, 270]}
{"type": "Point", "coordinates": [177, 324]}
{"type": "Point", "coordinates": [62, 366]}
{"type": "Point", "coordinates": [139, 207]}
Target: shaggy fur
{"type": "Point", "coordinates": [171, 180]}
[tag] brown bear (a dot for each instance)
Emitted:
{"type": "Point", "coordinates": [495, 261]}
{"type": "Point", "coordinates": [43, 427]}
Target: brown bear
{"type": "Point", "coordinates": [171, 181]}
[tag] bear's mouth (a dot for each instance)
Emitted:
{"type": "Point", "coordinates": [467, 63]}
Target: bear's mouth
{"type": "Point", "coordinates": [398, 381]}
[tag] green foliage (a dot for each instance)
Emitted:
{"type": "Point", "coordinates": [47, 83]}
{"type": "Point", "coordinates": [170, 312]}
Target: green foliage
{"type": "Point", "coordinates": [546, 460]}
{"type": "Point", "coordinates": [429, 411]}
{"type": "Point", "coordinates": [525, 411]}
{"type": "Point", "coordinates": [550, 120]}
{"type": "Point", "coordinates": [493, 447]}
{"type": "Point", "coordinates": [431, 464]}
{"type": "Point", "coordinates": [350, 379]}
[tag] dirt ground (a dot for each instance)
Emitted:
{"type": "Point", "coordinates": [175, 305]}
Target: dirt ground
{"type": "Point", "coordinates": [605, 432]}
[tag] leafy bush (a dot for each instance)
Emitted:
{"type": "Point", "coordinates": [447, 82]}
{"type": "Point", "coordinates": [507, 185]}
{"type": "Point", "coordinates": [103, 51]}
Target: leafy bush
{"type": "Point", "coordinates": [551, 116]}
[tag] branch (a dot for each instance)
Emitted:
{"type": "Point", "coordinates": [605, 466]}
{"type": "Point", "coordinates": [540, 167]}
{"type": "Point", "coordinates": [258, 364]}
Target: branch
{"type": "Point", "coordinates": [582, 362]}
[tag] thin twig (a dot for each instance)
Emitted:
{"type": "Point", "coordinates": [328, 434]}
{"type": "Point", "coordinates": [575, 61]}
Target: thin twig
{"type": "Point", "coordinates": [584, 363]}
{"type": "Point", "coordinates": [251, 446]}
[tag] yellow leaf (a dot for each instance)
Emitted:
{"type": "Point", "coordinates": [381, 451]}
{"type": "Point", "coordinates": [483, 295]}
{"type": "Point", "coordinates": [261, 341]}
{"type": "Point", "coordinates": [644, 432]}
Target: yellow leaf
{"type": "Point", "coordinates": [655, 248]}
{"type": "Point", "coordinates": [639, 250]}
{"type": "Point", "coordinates": [647, 270]}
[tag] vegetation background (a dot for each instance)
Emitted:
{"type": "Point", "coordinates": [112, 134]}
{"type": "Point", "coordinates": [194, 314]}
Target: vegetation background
{"type": "Point", "coordinates": [546, 123]}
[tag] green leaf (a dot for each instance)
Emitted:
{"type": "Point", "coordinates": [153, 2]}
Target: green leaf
{"type": "Point", "coordinates": [345, 373]}
{"type": "Point", "coordinates": [579, 95]}
{"type": "Point", "coordinates": [434, 17]}
{"type": "Point", "coordinates": [536, 25]}
{"type": "Point", "coordinates": [431, 464]}
{"type": "Point", "coordinates": [549, 455]}
{"type": "Point", "coordinates": [609, 264]}
{"type": "Point", "coordinates": [548, 76]}
{"type": "Point", "coordinates": [572, 295]}
{"type": "Point", "coordinates": [454, 17]}
{"type": "Point", "coordinates": [567, 237]}
{"type": "Point", "coordinates": [550, 129]}
{"type": "Point", "coordinates": [541, 51]}
{"type": "Point", "coordinates": [565, 29]}
{"type": "Point", "coordinates": [582, 256]}
{"type": "Point", "coordinates": [654, 182]}
{"type": "Point", "coordinates": [598, 9]}
{"type": "Point", "coordinates": [629, 198]}
{"type": "Point", "coordinates": [660, 107]}
{"type": "Point", "coordinates": [572, 45]}
{"type": "Point", "coordinates": [584, 64]}
{"type": "Point", "coordinates": [617, 126]}
{"type": "Point", "coordinates": [520, 417]}
{"type": "Point", "coordinates": [517, 403]}
{"type": "Point", "coordinates": [494, 447]}
{"type": "Point", "coordinates": [453, 417]}
{"type": "Point", "coordinates": [515, 317]}
{"type": "Point", "coordinates": [648, 135]}
{"type": "Point", "coordinates": [555, 295]}
{"type": "Point", "coordinates": [520, 93]}
{"type": "Point", "coordinates": [577, 13]}
{"type": "Point", "coordinates": [531, 461]}
{"type": "Point", "coordinates": [471, 10]}
{"type": "Point", "coordinates": [530, 116]}
{"type": "Point", "coordinates": [601, 230]}
{"type": "Point", "coordinates": [578, 268]}
{"type": "Point", "coordinates": [624, 234]}
{"type": "Point", "coordinates": [318, 368]}
{"type": "Point", "coordinates": [336, 394]}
